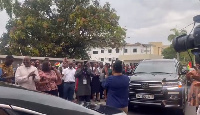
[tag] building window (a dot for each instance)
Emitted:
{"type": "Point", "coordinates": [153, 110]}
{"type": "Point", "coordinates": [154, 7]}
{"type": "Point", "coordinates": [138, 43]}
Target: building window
{"type": "Point", "coordinates": [95, 52]}
{"type": "Point", "coordinates": [134, 50]}
{"type": "Point", "coordinates": [110, 59]}
{"type": "Point", "coordinates": [102, 51]}
{"type": "Point", "coordinates": [117, 50]}
{"type": "Point", "coordinates": [102, 59]}
{"type": "Point", "coordinates": [125, 50]}
{"type": "Point", "coordinates": [109, 50]}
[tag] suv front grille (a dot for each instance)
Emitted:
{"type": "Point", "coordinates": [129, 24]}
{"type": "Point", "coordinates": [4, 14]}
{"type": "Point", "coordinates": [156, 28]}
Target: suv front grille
{"type": "Point", "coordinates": [151, 88]}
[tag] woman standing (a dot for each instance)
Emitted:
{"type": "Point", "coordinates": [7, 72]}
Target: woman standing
{"type": "Point", "coordinates": [194, 77]}
{"type": "Point", "coordinates": [96, 84]}
{"type": "Point", "coordinates": [108, 72]}
{"type": "Point", "coordinates": [48, 80]}
{"type": "Point", "coordinates": [61, 85]}
{"type": "Point", "coordinates": [76, 81]}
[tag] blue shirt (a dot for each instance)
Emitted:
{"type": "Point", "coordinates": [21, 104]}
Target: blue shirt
{"type": "Point", "coordinates": [117, 87]}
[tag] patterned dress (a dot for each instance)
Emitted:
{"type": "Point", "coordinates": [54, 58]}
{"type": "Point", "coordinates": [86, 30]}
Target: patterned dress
{"type": "Point", "coordinates": [51, 78]}
{"type": "Point", "coordinates": [7, 71]}
{"type": "Point", "coordinates": [193, 99]}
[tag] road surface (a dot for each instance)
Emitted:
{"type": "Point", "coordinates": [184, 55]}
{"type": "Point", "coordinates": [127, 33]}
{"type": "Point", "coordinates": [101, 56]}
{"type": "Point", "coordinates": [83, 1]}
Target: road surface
{"type": "Point", "coordinates": [150, 110]}
{"type": "Point", "coordinates": [147, 110]}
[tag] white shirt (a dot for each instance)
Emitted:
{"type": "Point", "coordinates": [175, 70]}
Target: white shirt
{"type": "Point", "coordinates": [69, 75]}
{"type": "Point", "coordinates": [21, 77]}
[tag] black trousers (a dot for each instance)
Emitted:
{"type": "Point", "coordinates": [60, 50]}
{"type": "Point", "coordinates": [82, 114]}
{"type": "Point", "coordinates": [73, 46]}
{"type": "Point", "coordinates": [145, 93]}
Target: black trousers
{"type": "Point", "coordinates": [85, 98]}
{"type": "Point", "coordinates": [52, 92]}
{"type": "Point", "coordinates": [60, 90]}
{"type": "Point", "coordinates": [101, 91]}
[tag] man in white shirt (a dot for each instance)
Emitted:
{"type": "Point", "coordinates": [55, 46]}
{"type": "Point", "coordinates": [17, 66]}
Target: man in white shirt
{"type": "Point", "coordinates": [26, 75]}
{"type": "Point", "coordinates": [69, 82]}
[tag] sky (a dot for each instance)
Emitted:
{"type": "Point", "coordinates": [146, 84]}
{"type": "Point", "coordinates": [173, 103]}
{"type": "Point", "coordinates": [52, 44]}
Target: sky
{"type": "Point", "coordinates": [147, 20]}
{"type": "Point", "coordinates": [151, 20]}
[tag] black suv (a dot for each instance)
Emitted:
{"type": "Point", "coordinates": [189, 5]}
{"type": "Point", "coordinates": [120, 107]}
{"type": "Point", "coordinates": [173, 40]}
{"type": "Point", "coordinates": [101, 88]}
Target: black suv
{"type": "Point", "coordinates": [159, 82]}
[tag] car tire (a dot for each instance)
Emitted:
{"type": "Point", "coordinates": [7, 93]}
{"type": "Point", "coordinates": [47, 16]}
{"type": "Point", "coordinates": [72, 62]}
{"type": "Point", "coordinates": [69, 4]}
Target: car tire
{"type": "Point", "coordinates": [183, 102]}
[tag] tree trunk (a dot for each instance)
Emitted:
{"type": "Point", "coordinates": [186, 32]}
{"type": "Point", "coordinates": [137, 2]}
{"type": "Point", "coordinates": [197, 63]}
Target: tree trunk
{"type": "Point", "coordinates": [178, 56]}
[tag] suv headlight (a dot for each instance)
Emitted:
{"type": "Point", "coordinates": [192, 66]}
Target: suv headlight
{"type": "Point", "coordinates": [172, 84]}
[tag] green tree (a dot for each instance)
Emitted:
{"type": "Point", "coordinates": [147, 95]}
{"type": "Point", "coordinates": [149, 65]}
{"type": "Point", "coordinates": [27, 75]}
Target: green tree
{"type": "Point", "coordinates": [59, 28]}
{"type": "Point", "coordinates": [6, 5]}
{"type": "Point", "coordinates": [176, 33]}
{"type": "Point", "coordinates": [170, 53]}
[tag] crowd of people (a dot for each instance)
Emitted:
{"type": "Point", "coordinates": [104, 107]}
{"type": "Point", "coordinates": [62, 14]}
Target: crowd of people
{"type": "Point", "coordinates": [76, 82]}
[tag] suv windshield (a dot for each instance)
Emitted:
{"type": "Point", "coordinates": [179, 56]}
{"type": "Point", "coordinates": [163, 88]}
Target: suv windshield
{"type": "Point", "coordinates": [156, 67]}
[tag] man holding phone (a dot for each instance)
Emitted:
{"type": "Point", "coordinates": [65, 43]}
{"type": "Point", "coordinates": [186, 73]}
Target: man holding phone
{"type": "Point", "coordinates": [27, 75]}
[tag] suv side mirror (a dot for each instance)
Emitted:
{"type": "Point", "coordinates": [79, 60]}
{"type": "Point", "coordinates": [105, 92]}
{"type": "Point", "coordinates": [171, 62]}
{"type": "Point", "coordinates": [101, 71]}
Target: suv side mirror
{"type": "Point", "coordinates": [183, 72]}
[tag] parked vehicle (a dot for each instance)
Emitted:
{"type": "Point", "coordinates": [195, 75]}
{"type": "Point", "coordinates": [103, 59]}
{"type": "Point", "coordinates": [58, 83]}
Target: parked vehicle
{"type": "Point", "coordinates": [15, 100]}
{"type": "Point", "coordinates": [159, 82]}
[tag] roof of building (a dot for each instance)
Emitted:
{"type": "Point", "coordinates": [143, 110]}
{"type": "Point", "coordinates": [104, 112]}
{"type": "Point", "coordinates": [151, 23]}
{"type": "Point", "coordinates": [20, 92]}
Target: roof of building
{"type": "Point", "coordinates": [157, 60]}
{"type": "Point", "coordinates": [39, 58]}
{"type": "Point", "coordinates": [139, 57]}
{"type": "Point", "coordinates": [140, 44]}
{"type": "Point", "coordinates": [136, 44]}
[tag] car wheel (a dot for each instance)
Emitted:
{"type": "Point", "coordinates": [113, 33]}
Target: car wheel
{"type": "Point", "coordinates": [184, 99]}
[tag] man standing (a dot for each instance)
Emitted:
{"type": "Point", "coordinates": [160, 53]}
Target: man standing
{"type": "Point", "coordinates": [69, 82]}
{"type": "Point", "coordinates": [117, 86]}
{"type": "Point", "coordinates": [102, 77]}
{"type": "Point", "coordinates": [84, 80]}
{"type": "Point", "coordinates": [38, 65]}
{"type": "Point", "coordinates": [7, 69]}
{"type": "Point", "coordinates": [26, 75]}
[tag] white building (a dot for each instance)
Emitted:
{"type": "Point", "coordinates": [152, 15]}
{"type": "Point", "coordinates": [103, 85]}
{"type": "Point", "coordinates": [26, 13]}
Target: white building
{"type": "Point", "coordinates": [107, 55]}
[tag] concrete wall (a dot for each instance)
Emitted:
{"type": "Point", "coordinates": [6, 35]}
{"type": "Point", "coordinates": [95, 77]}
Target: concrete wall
{"type": "Point", "coordinates": [19, 61]}
{"type": "Point", "coordinates": [157, 48]}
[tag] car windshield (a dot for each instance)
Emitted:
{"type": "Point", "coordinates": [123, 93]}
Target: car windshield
{"type": "Point", "coordinates": [165, 67]}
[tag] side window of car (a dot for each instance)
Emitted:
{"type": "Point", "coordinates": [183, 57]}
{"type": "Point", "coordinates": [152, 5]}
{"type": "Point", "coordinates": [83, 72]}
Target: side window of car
{"type": "Point", "coordinates": [3, 112]}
